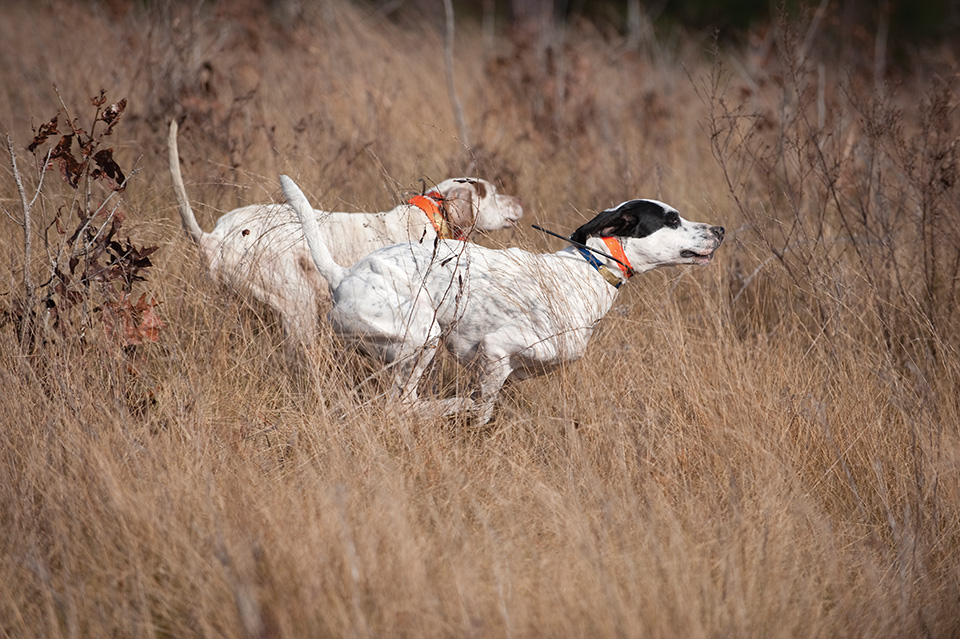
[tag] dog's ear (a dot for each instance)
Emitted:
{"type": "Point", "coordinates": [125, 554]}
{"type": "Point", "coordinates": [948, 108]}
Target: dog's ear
{"type": "Point", "coordinates": [480, 187]}
{"type": "Point", "coordinates": [461, 213]}
{"type": "Point", "coordinates": [634, 218]}
{"type": "Point", "coordinates": [608, 223]}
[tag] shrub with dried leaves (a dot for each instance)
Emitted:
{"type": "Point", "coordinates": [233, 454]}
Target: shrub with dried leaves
{"type": "Point", "coordinates": [91, 272]}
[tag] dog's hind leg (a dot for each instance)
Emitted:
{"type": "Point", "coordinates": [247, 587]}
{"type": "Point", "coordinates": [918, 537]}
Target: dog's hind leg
{"type": "Point", "coordinates": [430, 408]}
{"type": "Point", "coordinates": [407, 378]}
{"type": "Point", "coordinates": [300, 328]}
{"type": "Point", "coordinates": [299, 319]}
{"type": "Point", "coordinates": [415, 350]}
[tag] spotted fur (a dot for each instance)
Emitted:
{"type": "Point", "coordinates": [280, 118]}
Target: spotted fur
{"type": "Point", "coordinates": [509, 312]}
{"type": "Point", "coordinates": [258, 250]}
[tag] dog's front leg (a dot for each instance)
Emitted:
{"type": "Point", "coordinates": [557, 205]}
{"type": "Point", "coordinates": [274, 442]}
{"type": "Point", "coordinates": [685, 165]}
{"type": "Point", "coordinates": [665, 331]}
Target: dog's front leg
{"type": "Point", "coordinates": [495, 370]}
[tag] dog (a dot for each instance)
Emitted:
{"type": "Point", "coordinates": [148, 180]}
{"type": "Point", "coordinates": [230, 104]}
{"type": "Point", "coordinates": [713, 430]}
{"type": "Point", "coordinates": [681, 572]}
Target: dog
{"type": "Point", "coordinates": [259, 250]}
{"type": "Point", "coordinates": [509, 312]}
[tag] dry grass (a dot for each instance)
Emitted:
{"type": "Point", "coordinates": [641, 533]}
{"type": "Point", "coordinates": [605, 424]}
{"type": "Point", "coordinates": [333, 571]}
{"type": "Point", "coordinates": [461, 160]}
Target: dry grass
{"type": "Point", "coordinates": [768, 447]}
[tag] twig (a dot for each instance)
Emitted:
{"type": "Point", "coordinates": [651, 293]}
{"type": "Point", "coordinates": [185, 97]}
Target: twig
{"type": "Point", "coordinates": [28, 288]}
{"type": "Point", "coordinates": [91, 216]}
{"type": "Point", "coordinates": [102, 207]}
{"type": "Point", "coordinates": [43, 173]}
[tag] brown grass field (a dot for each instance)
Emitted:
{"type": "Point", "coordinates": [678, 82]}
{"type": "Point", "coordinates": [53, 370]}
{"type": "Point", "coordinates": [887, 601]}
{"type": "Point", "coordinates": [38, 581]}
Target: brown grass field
{"type": "Point", "coordinates": [767, 447]}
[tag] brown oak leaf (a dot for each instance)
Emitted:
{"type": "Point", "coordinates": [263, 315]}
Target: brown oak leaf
{"type": "Point", "coordinates": [69, 167]}
{"type": "Point", "coordinates": [108, 167]}
{"type": "Point", "coordinates": [131, 324]}
{"type": "Point", "coordinates": [45, 131]}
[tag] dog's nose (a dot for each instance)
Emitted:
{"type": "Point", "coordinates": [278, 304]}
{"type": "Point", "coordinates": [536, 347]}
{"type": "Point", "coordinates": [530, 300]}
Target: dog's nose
{"type": "Point", "coordinates": [717, 232]}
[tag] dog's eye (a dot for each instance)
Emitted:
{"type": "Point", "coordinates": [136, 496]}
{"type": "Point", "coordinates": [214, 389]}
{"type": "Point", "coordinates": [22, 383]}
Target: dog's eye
{"type": "Point", "coordinates": [673, 220]}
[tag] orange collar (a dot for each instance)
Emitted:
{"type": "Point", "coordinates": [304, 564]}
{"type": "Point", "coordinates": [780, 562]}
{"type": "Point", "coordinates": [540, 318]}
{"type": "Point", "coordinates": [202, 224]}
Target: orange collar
{"type": "Point", "coordinates": [616, 250]}
{"type": "Point", "coordinates": [432, 206]}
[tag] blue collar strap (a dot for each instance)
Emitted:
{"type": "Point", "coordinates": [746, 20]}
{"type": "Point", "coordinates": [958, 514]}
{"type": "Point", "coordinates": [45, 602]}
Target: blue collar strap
{"type": "Point", "coordinates": [607, 274]}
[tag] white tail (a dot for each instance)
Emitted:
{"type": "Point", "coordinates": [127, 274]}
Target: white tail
{"type": "Point", "coordinates": [329, 269]}
{"type": "Point", "coordinates": [183, 204]}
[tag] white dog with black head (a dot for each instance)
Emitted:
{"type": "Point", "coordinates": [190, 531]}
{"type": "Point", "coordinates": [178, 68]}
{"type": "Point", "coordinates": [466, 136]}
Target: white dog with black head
{"type": "Point", "coordinates": [510, 312]}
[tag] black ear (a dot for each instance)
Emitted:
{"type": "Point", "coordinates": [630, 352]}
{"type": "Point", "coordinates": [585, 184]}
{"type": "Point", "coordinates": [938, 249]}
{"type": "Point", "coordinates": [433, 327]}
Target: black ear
{"type": "Point", "coordinates": [635, 218]}
{"type": "Point", "coordinates": [609, 223]}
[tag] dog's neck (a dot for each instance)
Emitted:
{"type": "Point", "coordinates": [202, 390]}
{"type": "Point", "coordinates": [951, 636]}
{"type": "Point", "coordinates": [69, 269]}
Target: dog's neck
{"type": "Point", "coordinates": [615, 249]}
{"type": "Point", "coordinates": [432, 205]}
{"type": "Point", "coordinates": [605, 282]}
{"type": "Point", "coordinates": [614, 271]}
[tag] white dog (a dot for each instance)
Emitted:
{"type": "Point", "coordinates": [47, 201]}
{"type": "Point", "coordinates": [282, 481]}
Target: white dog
{"type": "Point", "coordinates": [259, 250]}
{"type": "Point", "coordinates": [512, 312]}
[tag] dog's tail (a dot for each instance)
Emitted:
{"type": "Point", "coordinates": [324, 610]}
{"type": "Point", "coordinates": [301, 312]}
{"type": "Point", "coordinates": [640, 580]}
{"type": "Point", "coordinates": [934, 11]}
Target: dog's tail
{"type": "Point", "coordinates": [329, 269]}
{"type": "Point", "coordinates": [183, 204]}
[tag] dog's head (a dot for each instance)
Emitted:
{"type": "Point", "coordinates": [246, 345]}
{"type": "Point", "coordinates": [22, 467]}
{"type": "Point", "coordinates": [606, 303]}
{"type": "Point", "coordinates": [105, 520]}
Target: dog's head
{"type": "Point", "coordinates": [474, 205]}
{"type": "Point", "coordinates": [653, 234]}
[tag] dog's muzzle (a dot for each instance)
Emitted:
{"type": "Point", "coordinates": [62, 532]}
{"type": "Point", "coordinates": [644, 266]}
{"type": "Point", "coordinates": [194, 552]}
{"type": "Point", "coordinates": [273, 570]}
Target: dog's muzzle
{"type": "Point", "coordinates": [704, 258]}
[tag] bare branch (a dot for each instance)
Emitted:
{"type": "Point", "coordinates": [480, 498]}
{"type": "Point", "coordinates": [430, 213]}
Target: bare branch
{"type": "Point", "coordinates": [28, 288]}
{"type": "Point", "coordinates": [43, 172]}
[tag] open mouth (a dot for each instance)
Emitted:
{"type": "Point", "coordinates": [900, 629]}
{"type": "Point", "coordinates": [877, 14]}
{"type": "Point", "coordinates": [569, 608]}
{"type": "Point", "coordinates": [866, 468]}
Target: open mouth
{"type": "Point", "coordinates": [701, 258]}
